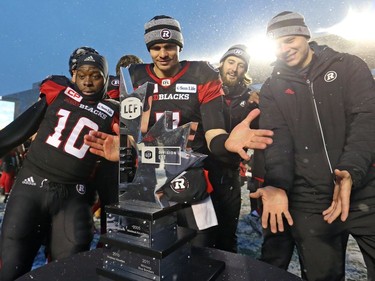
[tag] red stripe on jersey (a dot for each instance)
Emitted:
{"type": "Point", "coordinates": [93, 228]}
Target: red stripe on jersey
{"type": "Point", "coordinates": [173, 79]}
{"type": "Point", "coordinates": [51, 90]}
{"type": "Point", "coordinates": [210, 91]}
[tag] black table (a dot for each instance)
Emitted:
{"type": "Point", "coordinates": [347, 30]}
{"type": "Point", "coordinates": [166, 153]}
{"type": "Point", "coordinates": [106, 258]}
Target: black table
{"type": "Point", "coordinates": [82, 267]}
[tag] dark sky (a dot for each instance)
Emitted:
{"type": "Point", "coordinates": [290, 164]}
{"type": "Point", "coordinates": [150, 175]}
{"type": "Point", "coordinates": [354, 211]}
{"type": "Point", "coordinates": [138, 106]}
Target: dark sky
{"type": "Point", "coordinates": [37, 37]}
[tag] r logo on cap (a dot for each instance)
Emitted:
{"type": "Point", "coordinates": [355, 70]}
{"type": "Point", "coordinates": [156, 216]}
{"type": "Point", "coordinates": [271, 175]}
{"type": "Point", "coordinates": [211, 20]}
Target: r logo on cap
{"type": "Point", "coordinates": [165, 34]}
{"type": "Point", "coordinates": [180, 184]}
{"type": "Point", "coordinates": [238, 52]}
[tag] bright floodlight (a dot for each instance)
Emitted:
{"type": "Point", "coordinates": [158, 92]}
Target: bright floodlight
{"type": "Point", "coordinates": [357, 25]}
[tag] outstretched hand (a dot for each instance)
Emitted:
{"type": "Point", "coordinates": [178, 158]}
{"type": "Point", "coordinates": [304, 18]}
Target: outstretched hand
{"type": "Point", "coordinates": [243, 137]}
{"type": "Point", "coordinates": [341, 197]}
{"type": "Point", "coordinates": [275, 207]}
{"type": "Point", "coordinates": [105, 145]}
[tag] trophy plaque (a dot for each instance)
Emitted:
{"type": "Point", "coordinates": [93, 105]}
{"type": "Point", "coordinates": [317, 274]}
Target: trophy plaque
{"type": "Point", "coordinates": [143, 240]}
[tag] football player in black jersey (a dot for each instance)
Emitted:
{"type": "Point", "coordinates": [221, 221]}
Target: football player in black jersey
{"type": "Point", "coordinates": [105, 178]}
{"type": "Point", "coordinates": [192, 90]}
{"type": "Point", "coordinates": [50, 200]}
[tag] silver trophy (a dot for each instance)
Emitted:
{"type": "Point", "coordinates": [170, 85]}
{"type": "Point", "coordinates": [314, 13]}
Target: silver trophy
{"type": "Point", "coordinates": [143, 240]}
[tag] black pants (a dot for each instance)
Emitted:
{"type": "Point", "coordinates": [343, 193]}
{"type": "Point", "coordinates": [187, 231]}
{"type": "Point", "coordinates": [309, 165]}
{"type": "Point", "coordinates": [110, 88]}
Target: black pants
{"type": "Point", "coordinates": [322, 246]}
{"type": "Point", "coordinates": [226, 199]}
{"type": "Point", "coordinates": [41, 212]}
{"type": "Point", "coordinates": [277, 248]}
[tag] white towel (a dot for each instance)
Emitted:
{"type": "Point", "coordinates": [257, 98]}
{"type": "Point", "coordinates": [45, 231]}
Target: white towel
{"type": "Point", "coordinates": [204, 213]}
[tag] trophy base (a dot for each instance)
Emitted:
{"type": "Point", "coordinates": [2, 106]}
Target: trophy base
{"type": "Point", "coordinates": [166, 260]}
{"type": "Point", "coordinates": [141, 224]}
{"type": "Point", "coordinates": [146, 243]}
{"type": "Point", "coordinates": [199, 268]}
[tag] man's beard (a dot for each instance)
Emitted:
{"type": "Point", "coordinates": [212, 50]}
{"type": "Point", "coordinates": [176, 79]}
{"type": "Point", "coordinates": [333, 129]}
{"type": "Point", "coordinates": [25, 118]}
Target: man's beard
{"type": "Point", "coordinates": [229, 83]}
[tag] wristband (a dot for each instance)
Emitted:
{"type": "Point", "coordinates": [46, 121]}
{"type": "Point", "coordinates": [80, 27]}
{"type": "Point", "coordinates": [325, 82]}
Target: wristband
{"type": "Point", "coordinates": [217, 148]}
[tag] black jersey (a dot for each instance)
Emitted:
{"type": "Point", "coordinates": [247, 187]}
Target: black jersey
{"type": "Point", "coordinates": [58, 152]}
{"type": "Point", "coordinates": [197, 83]}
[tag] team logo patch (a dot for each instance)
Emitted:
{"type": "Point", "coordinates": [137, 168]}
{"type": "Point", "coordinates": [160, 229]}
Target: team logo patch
{"type": "Point", "coordinates": [186, 88]}
{"type": "Point", "coordinates": [165, 34]}
{"type": "Point", "coordinates": [81, 189]}
{"type": "Point", "coordinates": [179, 184]}
{"type": "Point", "coordinates": [238, 52]}
{"type": "Point", "coordinates": [330, 76]}
{"type": "Point", "coordinates": [105, 109]}
{"type": "Point", "coordinates": [115, 82]}
{"type": "Point", "coordinates": [73, 94]}
{"type": "Point", "coordinates": [131, 108]}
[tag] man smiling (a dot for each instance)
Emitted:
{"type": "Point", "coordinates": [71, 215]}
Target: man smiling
{"type": "Point", "coordinates": [320, 172]}
{"type": "Point", "coordinates": [199, 100]}
{"type": "Point", "coordinates": [194, 92]}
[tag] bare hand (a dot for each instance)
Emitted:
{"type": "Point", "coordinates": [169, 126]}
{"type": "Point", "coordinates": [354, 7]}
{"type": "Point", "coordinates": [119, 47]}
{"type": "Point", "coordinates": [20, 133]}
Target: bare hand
{"type": "Point", "coordinates": [243, 137]}
{"type": "Point", "coordinates": [341, 197]}
{"type": "Point", "coordinates": [105, 145]}
{"type": "Point", "coordinates": [275, 207]}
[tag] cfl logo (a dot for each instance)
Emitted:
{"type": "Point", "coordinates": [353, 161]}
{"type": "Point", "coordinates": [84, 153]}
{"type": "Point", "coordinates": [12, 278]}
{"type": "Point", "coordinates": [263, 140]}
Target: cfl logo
{"type": "Point", "coordinates": [165, 34]}
{"type": "Point", "coordinates": [179, 185]}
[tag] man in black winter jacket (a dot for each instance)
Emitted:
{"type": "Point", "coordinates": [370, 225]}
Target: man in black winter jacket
{"type": "Point", "coordinates": [224, 175]}
{"type": "Point", "coordinates": [320, 172]}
